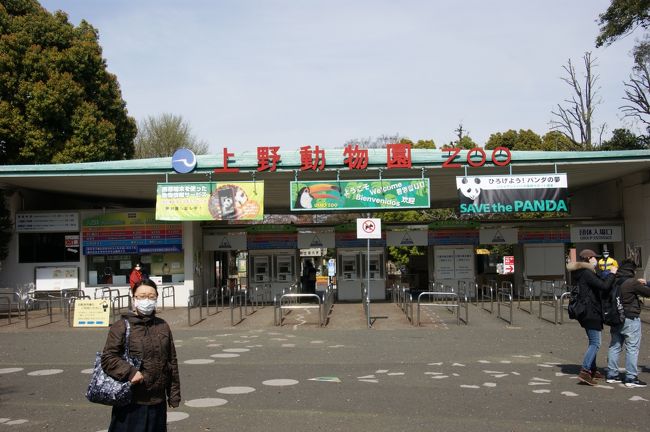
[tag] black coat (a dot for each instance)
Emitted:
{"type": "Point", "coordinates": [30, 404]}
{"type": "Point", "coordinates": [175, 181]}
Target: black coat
{"type": "Point", "coordinates": [151, 341]}
{"type": "Point", "coordinates": [592, 287]}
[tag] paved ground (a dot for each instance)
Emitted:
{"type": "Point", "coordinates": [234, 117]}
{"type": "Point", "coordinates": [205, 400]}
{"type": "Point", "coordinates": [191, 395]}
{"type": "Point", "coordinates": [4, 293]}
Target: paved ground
{"type": "Point", "coordinates": [486, 376]}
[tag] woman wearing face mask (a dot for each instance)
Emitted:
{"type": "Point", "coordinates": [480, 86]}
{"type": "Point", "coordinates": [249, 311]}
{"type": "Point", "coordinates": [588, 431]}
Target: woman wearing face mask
{"type": "Point", "coordinates": [156, 384]}
{"type": "Point", "coordinates": [584, 275]}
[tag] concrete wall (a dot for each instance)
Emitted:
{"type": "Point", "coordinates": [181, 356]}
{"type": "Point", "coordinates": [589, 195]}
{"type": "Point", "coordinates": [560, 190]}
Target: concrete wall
{"type": "Point", "coordinates": [636, 206]}
{"type": "Point", "coordinates": [601, 201]}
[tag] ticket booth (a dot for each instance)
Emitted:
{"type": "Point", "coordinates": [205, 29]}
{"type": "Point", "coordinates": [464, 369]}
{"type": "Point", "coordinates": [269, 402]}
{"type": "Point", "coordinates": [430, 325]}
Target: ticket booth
{"type": "Point", "coordinates": [261, 268]}
{"type": "Point", "coordinates": [353, 270]}
{"type": "Point", "coordinates": [273, 269]}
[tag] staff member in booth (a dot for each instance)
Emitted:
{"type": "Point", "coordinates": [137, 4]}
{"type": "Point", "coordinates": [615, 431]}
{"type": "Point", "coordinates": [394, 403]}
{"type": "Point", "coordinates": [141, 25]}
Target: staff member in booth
{"type": "Point", "coordinates": [135, 276]}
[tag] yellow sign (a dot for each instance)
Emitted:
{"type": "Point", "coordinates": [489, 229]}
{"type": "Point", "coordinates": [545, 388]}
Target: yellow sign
{"type": "Point", "coordinates": [91, 313]}
{"type": "Point", "coordinates": [210, 201]}
{"type": "Point", "coordinates": [322, 282]}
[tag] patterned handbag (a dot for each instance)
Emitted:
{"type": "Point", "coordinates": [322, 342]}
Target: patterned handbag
{"type": "Point", "coordinates": [105, 390]}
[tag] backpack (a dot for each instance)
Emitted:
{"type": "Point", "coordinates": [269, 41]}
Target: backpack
{"type": "Point", "coordinates": [613, 312]}
{"type": "Point", "coordinates": [577, 304]}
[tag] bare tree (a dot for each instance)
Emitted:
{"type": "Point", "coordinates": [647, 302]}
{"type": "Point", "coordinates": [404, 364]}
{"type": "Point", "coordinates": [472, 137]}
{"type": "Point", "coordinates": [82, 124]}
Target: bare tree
{"type": "Point", "coordinates": [379, 142]}
{"type": "Point", "coordinates": [162, 135]}
{"type": "Point", "coordinates": [575, 120]}
{"type": "Point", "coordinates": [637, 92]}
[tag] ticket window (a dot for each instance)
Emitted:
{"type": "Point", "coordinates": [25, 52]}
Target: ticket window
{"type": "Point", "coordinates": [348, 267]}
{"type": "Point", "coordinates": [261, 269]}
{"type": "Point", "coordinates": [376, 266]}
{"type": "Point", "coordinates": [285, 268]}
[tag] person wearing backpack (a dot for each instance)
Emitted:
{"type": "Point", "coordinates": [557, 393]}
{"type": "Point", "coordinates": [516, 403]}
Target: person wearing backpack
{"type": "Point", "coordinates": [591, 287]}
{"type": "Point", "coordinates": [628, 333]}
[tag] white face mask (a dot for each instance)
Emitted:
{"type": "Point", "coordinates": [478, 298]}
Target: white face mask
{"type": "Point", "coordinates": [146, 306]}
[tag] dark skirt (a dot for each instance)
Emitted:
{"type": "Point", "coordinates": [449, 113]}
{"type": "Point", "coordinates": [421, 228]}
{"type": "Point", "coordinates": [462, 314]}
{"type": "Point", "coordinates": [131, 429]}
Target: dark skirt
{"type": "Point", "coordinates": [139, 418]}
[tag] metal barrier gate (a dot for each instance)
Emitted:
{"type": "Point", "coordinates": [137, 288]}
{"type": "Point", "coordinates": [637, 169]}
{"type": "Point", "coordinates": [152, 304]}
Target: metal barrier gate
{"type": "Point", "coordinates": [288, 302]}
{"type": "Point", "coordinates": [482, 297]}
{"type": "Point", "coordinates": [405, 302]}
{"type": "Point", "coordinates": [447, 299]}
{"type": "Point", "coordinates": [33, 302]}
{"type": "Point", "coordinates": [118, 303]}
{"type": "Point", "coordinates": [212, 294]}
{"type": "Point", "coordinates": [528, 294]}
{"type": "Point", "coordinates": [9, 303]}
{"type": "Point", "coordinates": [504, 299]}
{"type": "Point", "coordinates": [565, 295]}
{"type": "Point", "coordinates": [548, 297]}
{"type": "Point", "coordinates": [194, 301]}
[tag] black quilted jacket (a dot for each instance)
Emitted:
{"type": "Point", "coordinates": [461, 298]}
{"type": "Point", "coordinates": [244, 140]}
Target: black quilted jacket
{"type": "Point", "coordinates": [151, 341]}
{"type": "Point", "coordinates": [592, 287]}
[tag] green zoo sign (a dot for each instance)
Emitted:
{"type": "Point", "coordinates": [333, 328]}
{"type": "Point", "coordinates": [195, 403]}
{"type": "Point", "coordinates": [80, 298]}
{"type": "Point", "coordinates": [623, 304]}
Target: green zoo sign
{"type": "Point", "coordinates": [359, 195]}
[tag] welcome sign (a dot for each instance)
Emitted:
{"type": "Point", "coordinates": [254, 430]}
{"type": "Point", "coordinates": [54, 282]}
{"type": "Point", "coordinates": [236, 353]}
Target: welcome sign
{"type": "Point", "coordinates": [513, 193]}
{"type": "Point", "coordinates": [359, 195]}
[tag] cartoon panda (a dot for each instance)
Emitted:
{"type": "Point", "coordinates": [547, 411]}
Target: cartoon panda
{"type": "Point", "coordinates": [470, 189]}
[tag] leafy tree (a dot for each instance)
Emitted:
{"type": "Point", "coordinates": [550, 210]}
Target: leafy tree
{"type": "Point", "coordinates": [575, 120]}
{"type": "Point", "coordinates": [58, 103]}
{"type": "Point", "coordinates": [623, 139]}
{"type": "Point", "coordinates": [162, 135]}
{"type": "Point", "coordinates": [425, 144]}
{"type": "Point", "coordinates": [621, 18]}
{"type": "Point", "coordinates": [513, 140]}
{"type": "Point", "coordinates": [557, 141]}
{"type": "Point", "coordinates": [6, 227]}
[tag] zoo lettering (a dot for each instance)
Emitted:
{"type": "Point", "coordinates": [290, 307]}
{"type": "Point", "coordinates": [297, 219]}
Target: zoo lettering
{"type": "Point", "coordinates": [500, 156]}
{"type": "Point", "coordinates": [398, 156]}
{"type": "Point", "coordinates": [520, 206]}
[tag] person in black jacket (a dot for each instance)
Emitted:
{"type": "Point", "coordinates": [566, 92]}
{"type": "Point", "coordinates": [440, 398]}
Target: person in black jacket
{"type": "Point", "coordinates": [627, 334]}
{"type": "Point", "coordinates": [156, 383]}
{"type": "Point", "coordinates": [591, 287]}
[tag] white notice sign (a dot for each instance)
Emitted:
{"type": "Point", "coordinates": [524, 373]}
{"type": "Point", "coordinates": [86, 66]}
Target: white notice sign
{"type": "Point", "coordinates": [368, 228]}
{"type": "Point", "coordinates": [596, 233]}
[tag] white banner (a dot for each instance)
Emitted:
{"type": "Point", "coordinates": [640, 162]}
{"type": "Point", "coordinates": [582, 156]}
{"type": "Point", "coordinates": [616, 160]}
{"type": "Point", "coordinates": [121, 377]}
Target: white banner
{"type": "Point", "coordinates": [231, 241]}
{"type": "Point", "coordinates": [499, 236]}
{"type": "Point", "coordinates": [47, 222]}
{"type": "Point", "coordinates": [596, 233]}
{"type": "Point", "coordinates": [323, 239]}
{"type": "Point", "coordinates": [509, 182]}
{"type": "Point", "coordinates": [407, 238]}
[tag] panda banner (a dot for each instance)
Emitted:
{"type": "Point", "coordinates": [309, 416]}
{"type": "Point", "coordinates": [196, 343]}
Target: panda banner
{"type": "Point", "coordinates": [513, 193]}
{"type": "Point", "coordinates": [210, 201]}
{"type": "Point", "coordinates": [388, 194]}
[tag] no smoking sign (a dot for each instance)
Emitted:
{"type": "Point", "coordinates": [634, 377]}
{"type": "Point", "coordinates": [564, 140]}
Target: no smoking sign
{"type": "Point", "coordinates": [368, 228]}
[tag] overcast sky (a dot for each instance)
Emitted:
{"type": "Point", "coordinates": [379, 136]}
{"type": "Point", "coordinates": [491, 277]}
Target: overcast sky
{"type": "Point", "coordinates": [249, 73]}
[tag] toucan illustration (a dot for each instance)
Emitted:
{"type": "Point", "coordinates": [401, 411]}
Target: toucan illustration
{"type": "Point", "coordinates": [307, 194]}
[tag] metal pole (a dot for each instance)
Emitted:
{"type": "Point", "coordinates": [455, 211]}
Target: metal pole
{"type": "Point", "coordinates": [368, 283]}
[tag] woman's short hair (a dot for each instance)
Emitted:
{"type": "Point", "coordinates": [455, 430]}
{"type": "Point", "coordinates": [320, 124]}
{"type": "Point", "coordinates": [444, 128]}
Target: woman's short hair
{"type": "Point", "coordinates": [146, 282]}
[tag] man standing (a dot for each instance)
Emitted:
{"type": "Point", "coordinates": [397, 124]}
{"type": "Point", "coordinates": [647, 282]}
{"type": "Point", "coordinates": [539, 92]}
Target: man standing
{"type": "Point", "coordinates": [606, 262]}
{"type": "Point", "coordinates": [309, 278]}
{"type": "Point", "coordinates": [627, 334]}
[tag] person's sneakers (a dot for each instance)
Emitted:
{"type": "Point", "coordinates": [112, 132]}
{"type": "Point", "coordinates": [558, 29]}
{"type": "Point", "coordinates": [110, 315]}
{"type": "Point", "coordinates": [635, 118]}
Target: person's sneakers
{"type": "Point", "coordinates": [597, 375]}
{"type": "Point", "coordinates": [636, 382]}
{"type": "Point", "coordinates": [585, 377]}
{"type": "Point", "coordinates": [614, 380]}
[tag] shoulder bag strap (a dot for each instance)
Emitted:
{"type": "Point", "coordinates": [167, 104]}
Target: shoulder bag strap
{"type": "Point", "coordinates": [126, 341]}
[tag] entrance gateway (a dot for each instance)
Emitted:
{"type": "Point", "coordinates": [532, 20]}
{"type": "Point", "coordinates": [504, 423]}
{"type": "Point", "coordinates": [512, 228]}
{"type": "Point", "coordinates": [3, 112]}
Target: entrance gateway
{"type": "Point", "coordinates": [196, 234]}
